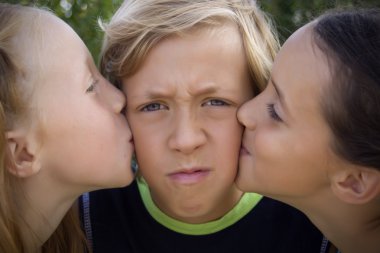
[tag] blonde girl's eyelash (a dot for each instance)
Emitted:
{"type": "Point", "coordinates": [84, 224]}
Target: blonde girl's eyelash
{"type": "Point", "coordinates": [92, 86]}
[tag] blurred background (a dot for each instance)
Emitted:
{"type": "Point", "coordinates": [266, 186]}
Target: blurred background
{"type": "Point", "coordinates": [82, 15]}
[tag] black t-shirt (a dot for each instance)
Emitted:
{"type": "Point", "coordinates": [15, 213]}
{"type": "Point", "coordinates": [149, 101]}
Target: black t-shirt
{"type": "Point", "coordinates": [116, 221]}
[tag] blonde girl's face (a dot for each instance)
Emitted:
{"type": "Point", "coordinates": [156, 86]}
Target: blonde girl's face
{"type": "Point", "coordinates": [85, 141]}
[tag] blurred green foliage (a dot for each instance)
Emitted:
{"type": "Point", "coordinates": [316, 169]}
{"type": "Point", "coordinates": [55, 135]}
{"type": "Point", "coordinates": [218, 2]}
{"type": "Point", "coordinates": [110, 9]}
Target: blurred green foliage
{"type": "Point", "coordinates": [83, 15]}
{"type": "Point", "coordinates": [288, 15]}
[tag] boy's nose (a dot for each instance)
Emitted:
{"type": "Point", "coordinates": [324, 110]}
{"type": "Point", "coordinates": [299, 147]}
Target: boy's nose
{"type": "Point", "coordinates": [187, 135]}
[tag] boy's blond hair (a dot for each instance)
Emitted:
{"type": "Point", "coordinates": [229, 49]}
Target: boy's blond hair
{"type": "Point", "coordinates": [139, 25]}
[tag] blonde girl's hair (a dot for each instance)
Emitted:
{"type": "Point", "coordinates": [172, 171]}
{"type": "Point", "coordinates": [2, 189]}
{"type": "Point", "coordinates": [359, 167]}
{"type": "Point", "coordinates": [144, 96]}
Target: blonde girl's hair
{"type": "Point", "coordinates": [139, 25]}
{"type": "Point", "coordinates": [14, 75]}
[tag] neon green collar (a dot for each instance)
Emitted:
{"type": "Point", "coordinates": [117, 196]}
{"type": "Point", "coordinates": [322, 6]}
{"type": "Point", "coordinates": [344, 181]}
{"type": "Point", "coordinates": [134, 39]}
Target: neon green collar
{"type": "Point", "coordinates": [247, 202]}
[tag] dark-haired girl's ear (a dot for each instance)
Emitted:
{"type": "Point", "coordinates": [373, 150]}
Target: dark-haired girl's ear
{"type": "Point", "coordinates": [357, 184]}
{"type": "Point", "coordinates": [22, 156]}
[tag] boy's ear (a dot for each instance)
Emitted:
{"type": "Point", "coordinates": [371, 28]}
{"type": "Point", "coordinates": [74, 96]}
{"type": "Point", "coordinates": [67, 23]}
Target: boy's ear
{"type": "Point", "coordinates": [356, 185]}
{"type": "Point", "coordinates": [22, 157]}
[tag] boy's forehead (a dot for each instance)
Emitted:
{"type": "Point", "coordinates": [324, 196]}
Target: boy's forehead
{"type": "Point", "coordinates": [219, 26]}
{"type": "Point", "coordinates": [226, 31]}
{"type": "Point", "coordinates": [195, 63]}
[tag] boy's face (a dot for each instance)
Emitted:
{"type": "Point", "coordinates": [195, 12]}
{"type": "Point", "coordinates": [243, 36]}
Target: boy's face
{"type": "Point", "coordinates": [181, 106]}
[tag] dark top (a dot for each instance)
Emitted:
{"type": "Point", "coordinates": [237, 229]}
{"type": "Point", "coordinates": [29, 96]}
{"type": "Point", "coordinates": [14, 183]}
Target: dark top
{"type": "Point", "coordinates": [116, 221]}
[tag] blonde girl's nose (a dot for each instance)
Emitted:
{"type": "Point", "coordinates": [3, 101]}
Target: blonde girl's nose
{"type": "Point", "coordinates": [115, 98]}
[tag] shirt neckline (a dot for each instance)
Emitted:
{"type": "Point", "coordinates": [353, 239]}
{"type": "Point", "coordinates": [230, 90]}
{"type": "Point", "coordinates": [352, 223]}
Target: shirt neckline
{"type": "Point", "coordinates": [246, 203]}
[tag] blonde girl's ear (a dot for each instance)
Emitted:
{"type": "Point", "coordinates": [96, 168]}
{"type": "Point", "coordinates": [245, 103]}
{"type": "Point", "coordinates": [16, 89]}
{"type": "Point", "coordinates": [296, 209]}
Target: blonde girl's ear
{"type": "Point", "coordinates": [357, 184]}
{"type": "Point", "coordinates": [22, 155]}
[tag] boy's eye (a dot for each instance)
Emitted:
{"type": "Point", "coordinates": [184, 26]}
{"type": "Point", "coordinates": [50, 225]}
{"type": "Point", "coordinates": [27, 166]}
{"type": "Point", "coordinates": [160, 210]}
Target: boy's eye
{"type": "Point", "coordinates": [154, 107]}
{"type": "Point", "coordinates": [215, 102]}
{"type": "Point", "coordinates": [92, 86]}
{"type": "Point", "coordinates": [272, 113]}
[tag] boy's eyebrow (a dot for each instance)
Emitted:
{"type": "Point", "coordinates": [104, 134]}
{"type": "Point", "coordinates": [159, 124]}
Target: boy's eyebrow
{"type": "Point", "coordinates": [207, 88]}
{"type": "Point", "coordinates": [152, 94]}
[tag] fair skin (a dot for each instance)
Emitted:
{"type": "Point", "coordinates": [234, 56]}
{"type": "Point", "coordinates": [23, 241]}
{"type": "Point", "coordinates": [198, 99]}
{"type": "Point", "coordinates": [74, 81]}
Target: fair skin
{"type": "Point", "coordinates": [182, 111]}
{"type": "Point", "coordinates": [76, 140]}
{"type": "Point", "coordinates": [285, 129]}
{"type": "Point", "coordinates": [287, 155]}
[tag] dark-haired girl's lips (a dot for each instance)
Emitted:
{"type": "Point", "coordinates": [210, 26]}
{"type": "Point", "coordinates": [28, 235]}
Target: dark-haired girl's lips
{"type": "Point", "coordinates": [244, 151]}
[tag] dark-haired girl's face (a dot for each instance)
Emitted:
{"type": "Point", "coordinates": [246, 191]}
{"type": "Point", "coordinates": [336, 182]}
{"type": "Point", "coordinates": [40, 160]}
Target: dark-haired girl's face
{"type": "Point", "coordinates": [286, 144]}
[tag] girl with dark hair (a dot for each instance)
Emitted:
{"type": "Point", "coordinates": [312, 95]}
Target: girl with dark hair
{"type": "Point", "coordinates": [312, 137]}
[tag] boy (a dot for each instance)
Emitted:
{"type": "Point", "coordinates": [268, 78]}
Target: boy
{"type": "Point", "coordinates": [186, 67]}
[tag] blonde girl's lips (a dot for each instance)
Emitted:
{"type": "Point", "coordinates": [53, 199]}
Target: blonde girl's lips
{"type": "Point", "coordinates": [188, 177]}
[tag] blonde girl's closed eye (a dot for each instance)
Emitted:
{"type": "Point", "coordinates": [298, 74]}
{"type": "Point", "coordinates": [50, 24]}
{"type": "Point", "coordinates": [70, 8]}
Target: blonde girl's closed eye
{"type": "Point", "coordinates": [92, 86]}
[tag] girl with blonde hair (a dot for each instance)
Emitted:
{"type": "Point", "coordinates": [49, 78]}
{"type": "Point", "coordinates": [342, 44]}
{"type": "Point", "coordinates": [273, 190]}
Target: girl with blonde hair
{"type": "Point", "coordinates": [57, 113]}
